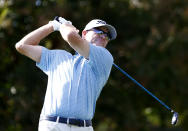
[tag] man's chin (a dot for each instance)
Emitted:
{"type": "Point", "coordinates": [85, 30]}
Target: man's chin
{"type": "Point", "coordinates": [98, 43]}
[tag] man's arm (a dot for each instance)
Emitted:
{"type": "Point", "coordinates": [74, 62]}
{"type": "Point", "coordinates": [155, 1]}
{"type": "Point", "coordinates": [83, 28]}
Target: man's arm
{"type": "Point", "coordinates": [70, 34]}
{"type": "Point", "coordinates": [28, 45]}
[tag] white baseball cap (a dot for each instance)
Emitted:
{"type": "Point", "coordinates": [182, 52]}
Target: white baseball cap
{"type": "Point", "coordinates": [98, 23]}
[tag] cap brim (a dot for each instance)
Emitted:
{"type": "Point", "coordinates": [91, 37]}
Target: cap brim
{"type": "Point", "coordinates": [111, 29]}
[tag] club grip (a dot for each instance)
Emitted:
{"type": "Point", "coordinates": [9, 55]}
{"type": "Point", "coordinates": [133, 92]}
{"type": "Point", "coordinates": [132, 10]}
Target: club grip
{"type": "Point", "coordinates": [62, 20]}
{"type": "Point", "coordinates": [56, 18]}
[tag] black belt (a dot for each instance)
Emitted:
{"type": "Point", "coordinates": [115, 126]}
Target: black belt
{"type": "Point", "coordinates": [71, 121]}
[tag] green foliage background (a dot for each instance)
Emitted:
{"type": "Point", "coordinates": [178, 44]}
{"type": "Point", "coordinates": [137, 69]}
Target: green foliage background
{"type": "Point", "coordinates": [151, 46]}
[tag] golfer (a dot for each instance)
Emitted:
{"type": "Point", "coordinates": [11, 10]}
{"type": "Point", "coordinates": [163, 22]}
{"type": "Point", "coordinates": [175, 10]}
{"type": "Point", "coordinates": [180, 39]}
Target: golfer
{"type": "Point", "coordinates": [74, 81]}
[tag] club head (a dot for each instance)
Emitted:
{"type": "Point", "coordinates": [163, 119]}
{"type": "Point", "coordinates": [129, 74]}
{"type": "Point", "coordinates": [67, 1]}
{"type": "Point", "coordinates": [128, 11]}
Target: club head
{"type": "Point", "coordinates": [174, 118]}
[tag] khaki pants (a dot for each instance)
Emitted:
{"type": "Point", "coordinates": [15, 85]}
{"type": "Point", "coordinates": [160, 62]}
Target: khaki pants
{"type": "Point", "coordinates": [45, 125]}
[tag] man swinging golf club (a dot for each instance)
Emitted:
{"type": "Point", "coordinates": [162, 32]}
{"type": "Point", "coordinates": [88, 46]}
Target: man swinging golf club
{"type": "Point", "coordinates": [74, 81]}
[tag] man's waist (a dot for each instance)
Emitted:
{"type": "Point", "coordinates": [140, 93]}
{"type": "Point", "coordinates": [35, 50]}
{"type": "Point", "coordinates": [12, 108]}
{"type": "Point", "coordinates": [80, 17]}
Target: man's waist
{"type": "Point", "coordinates": [64, 111]}
{"type": "Point", "coordinates": [70, 121]}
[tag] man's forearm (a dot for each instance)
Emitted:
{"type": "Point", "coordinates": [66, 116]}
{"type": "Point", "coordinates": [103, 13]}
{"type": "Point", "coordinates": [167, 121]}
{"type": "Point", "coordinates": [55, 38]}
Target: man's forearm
{"type": "Point", "coordinates": [28, 45]}
{"type": "Point", "coordinates": [71, 36]}
{"type": "Point", "coordinates": [37, 35]}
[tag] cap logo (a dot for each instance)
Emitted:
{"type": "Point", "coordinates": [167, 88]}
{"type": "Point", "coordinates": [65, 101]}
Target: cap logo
{"type": "Point", "coordinates": [100, 22]}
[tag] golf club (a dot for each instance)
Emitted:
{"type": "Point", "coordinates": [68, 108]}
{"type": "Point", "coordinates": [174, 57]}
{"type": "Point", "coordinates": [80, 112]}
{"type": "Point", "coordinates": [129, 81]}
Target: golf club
{"type": "Point", "coordinates": [175, 114]}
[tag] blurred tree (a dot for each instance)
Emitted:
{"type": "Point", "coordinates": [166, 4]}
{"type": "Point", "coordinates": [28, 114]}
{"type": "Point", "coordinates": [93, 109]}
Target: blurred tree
{"type": "Point", "coordinates": [151, 46]}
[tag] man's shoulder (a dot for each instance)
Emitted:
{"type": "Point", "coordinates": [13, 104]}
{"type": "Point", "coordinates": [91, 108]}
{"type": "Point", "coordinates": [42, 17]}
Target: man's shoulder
{"type": "Point", "coordinates": [100, 54]}
{"type": "Point", "coordinates": [100, 49]}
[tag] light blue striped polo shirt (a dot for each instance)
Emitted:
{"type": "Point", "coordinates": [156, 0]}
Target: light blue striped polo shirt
{"type": "Point", "coordinates": [74, 83]}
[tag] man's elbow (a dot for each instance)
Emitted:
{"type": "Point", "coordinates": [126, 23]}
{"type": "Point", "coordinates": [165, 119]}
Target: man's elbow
{"type": "Point", "coordinates": [19, 47]}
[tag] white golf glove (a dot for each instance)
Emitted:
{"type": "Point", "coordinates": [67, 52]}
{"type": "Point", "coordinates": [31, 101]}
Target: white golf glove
{"type": "Point", "coordinates": [62, 20]}
{"type": "Point", "coordinates": [56, 23]}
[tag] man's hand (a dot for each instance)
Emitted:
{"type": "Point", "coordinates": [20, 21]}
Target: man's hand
{"type": "Point", "coordinates": [62, 20]}
{"type": "Point", "coordinates": [56, 23]}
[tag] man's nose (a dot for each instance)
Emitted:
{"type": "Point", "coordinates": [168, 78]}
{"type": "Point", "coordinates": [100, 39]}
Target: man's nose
{"type": "Point", "coordinates": [102, 36]}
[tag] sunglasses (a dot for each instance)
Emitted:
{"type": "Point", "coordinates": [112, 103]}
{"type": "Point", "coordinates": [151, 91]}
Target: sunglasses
{"type": "Point", "coordinates": [99, 31]}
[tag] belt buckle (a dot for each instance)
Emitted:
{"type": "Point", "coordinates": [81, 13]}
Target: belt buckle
{"type": "Point", "coordinates": [84, 123]}
{"type": "Point", "coordinates": [67, 121]}
{"type": "Point", "coordinates": [57, 120]}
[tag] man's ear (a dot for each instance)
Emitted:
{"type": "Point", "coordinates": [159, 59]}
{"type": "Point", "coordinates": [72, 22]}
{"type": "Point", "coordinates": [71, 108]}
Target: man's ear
{"type": "Point", "coordinates": [84, 33]}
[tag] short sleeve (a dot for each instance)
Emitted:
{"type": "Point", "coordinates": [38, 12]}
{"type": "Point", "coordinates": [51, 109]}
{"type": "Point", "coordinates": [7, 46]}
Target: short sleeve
{"type": "Point", "coordinates": [101, 61]}
{"type": "Point", "coordinates": [50, 59]}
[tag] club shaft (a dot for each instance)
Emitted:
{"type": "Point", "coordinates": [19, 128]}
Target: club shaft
{"type": "Point", "coordinates": [125, 73]}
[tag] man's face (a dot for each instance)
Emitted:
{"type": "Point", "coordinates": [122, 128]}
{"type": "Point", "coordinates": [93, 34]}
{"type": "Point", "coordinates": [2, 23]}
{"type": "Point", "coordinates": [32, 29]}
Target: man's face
{"type": "Point", "coordinates": [97, 36]}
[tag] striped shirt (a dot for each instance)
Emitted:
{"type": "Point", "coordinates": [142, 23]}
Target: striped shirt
{"type": "Point", "coordinates": [74, 83]}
